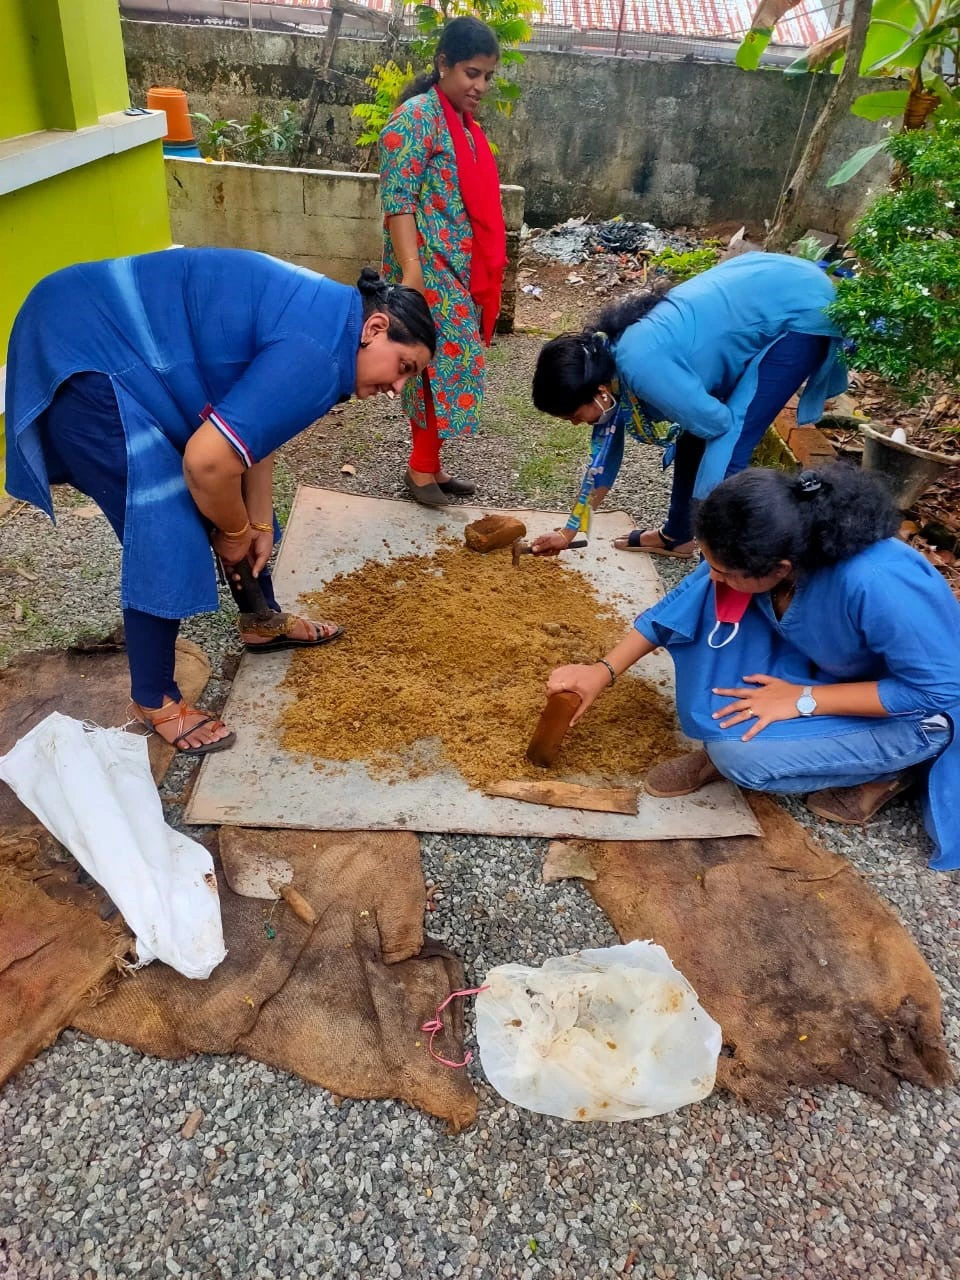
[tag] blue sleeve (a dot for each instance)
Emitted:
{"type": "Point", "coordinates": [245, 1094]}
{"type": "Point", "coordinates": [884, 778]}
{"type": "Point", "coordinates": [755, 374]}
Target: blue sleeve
{"type": "Point", "coordinates": [286, 387]}
{"type": "Point", "coordinates": [907, 615]}
{"type": "Point", "coordinates": [613, 461]}
{"type": "Point", "coordinates": [671, 387]}
{"type": "Point", "coordinates": [676, 618]}
{"type": "Point", "coordinates": [606, 455]}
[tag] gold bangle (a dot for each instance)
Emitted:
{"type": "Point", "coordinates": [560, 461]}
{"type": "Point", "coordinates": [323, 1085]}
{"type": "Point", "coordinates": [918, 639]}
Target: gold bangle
{"type": "Point", "coordinates": [261, 528]}
{"type": "Point", "coordinates": [239, 534]}
{"type": "Point", "coordinates": [415, 258]}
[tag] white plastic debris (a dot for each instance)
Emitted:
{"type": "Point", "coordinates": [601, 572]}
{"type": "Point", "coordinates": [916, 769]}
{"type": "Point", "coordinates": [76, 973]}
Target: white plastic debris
{"type": "Point", "coordinates": [609, 1034]}
{"type": "Point", "coordinates": [93, 791]}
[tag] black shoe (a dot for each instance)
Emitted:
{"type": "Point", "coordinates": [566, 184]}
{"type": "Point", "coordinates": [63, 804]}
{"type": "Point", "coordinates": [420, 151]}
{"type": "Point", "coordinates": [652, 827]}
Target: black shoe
{"type": "Point", "coordinates": [457, 488]}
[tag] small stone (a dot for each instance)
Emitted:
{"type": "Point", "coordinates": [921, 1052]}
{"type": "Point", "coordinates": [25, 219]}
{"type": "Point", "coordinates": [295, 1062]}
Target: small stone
{"type": "Point", "coordinates": [193, 1123]}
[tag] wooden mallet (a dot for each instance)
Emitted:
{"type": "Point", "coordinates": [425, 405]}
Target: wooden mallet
{"type": "Point", "coordinates": [521, 548]}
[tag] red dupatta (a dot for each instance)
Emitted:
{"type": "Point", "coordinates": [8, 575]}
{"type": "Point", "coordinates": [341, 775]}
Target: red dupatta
{"type": "Point", "coordinates": [480, 191]}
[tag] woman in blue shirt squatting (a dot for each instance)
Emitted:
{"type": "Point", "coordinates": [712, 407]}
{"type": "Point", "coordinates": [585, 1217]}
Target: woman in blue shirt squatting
{"type": "Point", "coordinates": [814, 653]}
{"type": "Point", "coordinates": [702, 370]}
{"type": "Point", "coordinates": [160, 386]}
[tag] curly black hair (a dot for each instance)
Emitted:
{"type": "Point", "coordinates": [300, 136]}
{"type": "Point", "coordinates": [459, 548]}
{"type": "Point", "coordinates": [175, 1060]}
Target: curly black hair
{"type": "Point", "coordinates": [572, 368]}
{"type": "Point", "coordinates": [755, 520]}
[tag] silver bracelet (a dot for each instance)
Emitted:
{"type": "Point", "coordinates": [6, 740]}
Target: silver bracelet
{"type": "Point", "coordinates": [613, 675]}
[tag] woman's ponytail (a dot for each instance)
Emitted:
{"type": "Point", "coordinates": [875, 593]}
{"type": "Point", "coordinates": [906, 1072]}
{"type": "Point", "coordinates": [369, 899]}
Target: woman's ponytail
{"type": "Point", "coordinates": [842, 510]}
{"type": "Point", "coordinates": [422, 84]}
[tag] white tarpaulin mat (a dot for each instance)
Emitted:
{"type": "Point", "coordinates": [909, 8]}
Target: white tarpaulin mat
{"type": "Point", "coordinates": [258, 783]}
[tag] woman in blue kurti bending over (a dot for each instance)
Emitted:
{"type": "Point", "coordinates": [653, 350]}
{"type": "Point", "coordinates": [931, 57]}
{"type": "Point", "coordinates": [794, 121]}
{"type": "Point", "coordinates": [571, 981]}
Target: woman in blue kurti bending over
{"type": "Point", "coordinates": [160, 386]}
{"type": "Point", "coordinates": [814, 652]}
{"type": "Point", "coordinates": [702, 370]}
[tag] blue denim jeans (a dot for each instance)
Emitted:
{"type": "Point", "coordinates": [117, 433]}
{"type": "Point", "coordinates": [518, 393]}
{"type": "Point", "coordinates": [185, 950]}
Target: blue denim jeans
{"type": "Point", "coordinates": [783, 370]}
{"type": "Point", "coordinates": [879, 751]}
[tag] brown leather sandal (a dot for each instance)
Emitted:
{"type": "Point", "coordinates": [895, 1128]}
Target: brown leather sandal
{"type": "Point", "coordinates": [179, 711]}
{"type": "Point", "coordinates": [276, 632]}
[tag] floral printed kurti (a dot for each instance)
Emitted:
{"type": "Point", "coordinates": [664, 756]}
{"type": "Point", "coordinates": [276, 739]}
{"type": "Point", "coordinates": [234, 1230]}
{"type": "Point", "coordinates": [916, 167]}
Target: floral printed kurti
{"type": "Point", "coordinates": [418, 175]}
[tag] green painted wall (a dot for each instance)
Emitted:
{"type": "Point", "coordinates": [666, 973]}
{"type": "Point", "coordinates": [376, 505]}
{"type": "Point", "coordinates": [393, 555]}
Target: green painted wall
{"type": "Point", "coordinates": [108, 209]}
{"type": "Point", "coordinates": [20, 107]}
{"type": "Point", "coordinates": [62, 64]}
{"type": "Point", "coordinates": [105, 39]}
{"type": "Point", "coordinates": [62, 67]}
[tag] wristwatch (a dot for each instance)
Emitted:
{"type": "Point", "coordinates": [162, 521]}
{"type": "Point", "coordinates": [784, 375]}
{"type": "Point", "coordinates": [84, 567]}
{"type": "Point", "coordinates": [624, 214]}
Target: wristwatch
{"type": "Point", "coordinates": [807, 703]}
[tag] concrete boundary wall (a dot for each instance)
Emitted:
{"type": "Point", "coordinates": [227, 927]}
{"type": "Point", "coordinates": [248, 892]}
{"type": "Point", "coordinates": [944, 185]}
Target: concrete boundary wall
{"type": "Point", "coordinates": [327, 221]}
{"type": "Point", "coordinates": [680, 143]}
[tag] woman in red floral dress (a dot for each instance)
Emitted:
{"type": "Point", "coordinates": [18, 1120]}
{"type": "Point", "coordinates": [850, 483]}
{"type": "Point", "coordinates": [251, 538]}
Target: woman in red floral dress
{"type": "Point", "coordinates": [444, 234]}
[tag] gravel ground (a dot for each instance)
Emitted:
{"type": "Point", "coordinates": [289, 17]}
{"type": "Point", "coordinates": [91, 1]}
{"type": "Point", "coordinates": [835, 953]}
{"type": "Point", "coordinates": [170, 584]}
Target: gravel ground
{"type": "Point", "coordinates": [282, 1181]}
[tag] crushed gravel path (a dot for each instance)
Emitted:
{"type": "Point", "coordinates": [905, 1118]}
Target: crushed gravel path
{"type": "Point", "coordinates": [282, 1181]}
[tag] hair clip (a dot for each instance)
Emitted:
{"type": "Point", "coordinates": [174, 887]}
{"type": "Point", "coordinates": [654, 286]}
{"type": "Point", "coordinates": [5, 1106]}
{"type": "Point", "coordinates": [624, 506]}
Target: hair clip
{"type": "Point", "coordinates": [808, 483]}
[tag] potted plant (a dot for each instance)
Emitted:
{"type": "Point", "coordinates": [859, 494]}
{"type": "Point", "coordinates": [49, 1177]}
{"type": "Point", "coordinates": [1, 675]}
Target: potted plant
{"type": "Point", "coordinates": [901, 308]}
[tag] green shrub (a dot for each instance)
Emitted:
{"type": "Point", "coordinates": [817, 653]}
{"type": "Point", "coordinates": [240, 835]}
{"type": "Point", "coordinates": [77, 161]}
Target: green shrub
{"type": "Point", "coordinates": [902, 308]}
{"type": "Point", "coordinates": [684, 266]}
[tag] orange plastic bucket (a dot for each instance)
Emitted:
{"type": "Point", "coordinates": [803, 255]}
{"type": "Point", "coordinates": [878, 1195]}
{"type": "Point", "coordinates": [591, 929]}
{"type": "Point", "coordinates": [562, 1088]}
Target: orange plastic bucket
{"type": "Point", "coordinates": [174, 103]}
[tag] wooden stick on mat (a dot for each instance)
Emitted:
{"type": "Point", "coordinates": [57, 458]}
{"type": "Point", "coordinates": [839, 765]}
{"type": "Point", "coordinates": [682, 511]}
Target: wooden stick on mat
{"type": "Point", "coordinates": [567, 795]}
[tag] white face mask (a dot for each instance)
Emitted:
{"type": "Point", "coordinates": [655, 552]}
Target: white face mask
{"type": "Point", "coordinates": [606, 414]}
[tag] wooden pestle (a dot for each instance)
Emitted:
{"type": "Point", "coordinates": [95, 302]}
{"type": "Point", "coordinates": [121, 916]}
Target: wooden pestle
{"type": "Point", "coordinates": [551, 727]}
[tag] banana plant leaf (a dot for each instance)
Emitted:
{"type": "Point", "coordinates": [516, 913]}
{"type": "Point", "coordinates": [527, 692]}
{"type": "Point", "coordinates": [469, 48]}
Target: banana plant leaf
{"type": "Point", "coordinates": [882, 105]}
{"type": "Point", "coordinates": [765, 17]}
{"type": "Point", "coordinates": [856, 162]}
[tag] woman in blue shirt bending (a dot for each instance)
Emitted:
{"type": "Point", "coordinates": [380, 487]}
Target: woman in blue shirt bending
{"type": "Point", "coordinates": [702, 370]}
{"type": "Point", "coordinates": [814, 652]}
{"type": "Point", "coordinates": [160, 386]}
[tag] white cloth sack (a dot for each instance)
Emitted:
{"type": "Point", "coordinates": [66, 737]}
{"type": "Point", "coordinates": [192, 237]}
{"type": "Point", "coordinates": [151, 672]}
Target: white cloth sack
{"type": "Point", "coordinates": [92, 789]}
{"type": "Point", "coordinates": [610, 1034]}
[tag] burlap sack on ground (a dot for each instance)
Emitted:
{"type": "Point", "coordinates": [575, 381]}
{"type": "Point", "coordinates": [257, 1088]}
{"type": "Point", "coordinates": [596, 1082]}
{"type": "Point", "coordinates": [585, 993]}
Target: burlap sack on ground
{"type": "Point", "coordinates": [53, 956]}
{"type": "Point", "coordinates": [54, 948]}
{"type": "Point", "coordinates": [811, 976]}
{"type": "Point", "coordinates": [322, 1000]}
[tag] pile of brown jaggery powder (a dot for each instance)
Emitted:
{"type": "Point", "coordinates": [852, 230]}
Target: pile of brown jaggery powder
{"type": "Point", "coordinates": [444, 662]}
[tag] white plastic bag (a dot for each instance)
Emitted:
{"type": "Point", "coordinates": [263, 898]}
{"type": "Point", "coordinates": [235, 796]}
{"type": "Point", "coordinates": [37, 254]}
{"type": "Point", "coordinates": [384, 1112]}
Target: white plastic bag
{"type": "Point", "coordinates": [611, 1034]}
{"type": "Point", "coordinates": [92, 789]}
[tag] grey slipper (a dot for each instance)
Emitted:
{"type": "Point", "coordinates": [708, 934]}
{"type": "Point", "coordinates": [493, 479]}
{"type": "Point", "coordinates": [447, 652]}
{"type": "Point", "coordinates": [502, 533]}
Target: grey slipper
{"type": "Point", "coordinates": [428, 495]}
